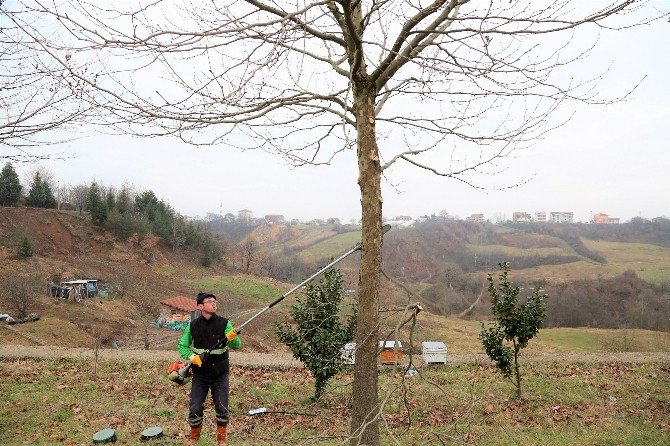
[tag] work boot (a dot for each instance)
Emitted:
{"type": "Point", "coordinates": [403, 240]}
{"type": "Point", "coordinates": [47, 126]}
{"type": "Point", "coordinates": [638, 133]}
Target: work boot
{"type": "Point", "coordinates": [221, 436]}
{"type": "Point", "coordinates": [195, 436]}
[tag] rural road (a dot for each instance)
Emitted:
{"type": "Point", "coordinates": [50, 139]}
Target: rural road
{"type": "Point", "coordinates": [285, 360]}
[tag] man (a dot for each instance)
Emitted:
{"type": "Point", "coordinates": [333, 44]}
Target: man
{"type": "Point", "coordinates": [212, 371]}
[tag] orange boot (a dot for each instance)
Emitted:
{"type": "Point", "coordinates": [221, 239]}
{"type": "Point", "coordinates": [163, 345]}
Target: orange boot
{"type": "Point", "coordinates": [221, 436]}
{"type": "Point", "coordinates": [195, 436]}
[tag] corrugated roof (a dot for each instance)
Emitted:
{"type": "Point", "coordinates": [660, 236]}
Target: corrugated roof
{"type": "Point", "coordinates": [181, 303]}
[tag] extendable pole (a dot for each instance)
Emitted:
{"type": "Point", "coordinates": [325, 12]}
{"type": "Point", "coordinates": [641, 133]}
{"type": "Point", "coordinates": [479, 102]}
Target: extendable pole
{"type": "Point", "coordinates": [183, 371]}
{"type": "Point", "coordinates": [385, 229]}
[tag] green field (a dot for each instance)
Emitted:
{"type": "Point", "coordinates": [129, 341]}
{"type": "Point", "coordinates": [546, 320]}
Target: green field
{"type": "Point", "coordinates": [261, 290]}
{"type": "Point", "coordinates": [650, 262]}
{"type": "Point", "coordinates": [309, 236]}
{"type": "Point", "coordinates": [332, 247]}
{"type": "Point", "coordinates": [510, 251]}
{"type": "Point", "coordinates": [66, 401]}
{"type": "Point", "coordinates": [461, 337]}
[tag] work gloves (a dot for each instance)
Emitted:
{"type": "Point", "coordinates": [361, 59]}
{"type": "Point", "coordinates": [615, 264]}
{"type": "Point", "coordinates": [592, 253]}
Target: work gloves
{"type": "Point", "coordinates": [231, 335]}
{"type": "Point", "coordinates": [197, 359]}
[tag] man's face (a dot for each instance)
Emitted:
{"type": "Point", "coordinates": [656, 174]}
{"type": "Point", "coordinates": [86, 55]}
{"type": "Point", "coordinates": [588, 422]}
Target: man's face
{"type": "Point", "coordinates": [208, 305]}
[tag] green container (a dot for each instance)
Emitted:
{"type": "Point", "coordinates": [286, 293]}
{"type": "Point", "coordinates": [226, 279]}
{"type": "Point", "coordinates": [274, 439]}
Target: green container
{"type": "Point", "coordinates": [104, 436]}
{"type": "Point", "coordinates": [151, 433]}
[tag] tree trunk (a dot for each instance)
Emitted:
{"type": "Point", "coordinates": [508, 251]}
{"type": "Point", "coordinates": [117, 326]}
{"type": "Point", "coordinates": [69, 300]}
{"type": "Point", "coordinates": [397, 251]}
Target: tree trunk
{"type": "Point", "coordinates": [516, 370]}
{"type": "Point", "coordinates": [364, 420]}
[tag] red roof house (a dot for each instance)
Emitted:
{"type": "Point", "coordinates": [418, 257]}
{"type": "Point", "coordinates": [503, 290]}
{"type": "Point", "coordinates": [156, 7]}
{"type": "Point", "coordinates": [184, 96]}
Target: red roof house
{"type": "Point", "coordinates": [181, 303]}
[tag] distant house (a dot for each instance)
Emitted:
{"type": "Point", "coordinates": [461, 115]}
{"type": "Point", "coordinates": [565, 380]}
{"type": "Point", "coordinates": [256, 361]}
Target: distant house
{"type": "Point", "coordinates": [180, 307]}
{"type": "Point", "coordinates": [245, 215]}
{"type": "Point", "coordinates": [541, 217]}
{"type": "Point", "coordinates": [476, 218]}
{"type": "Point", "coordinates": [561, 217]}
{"type": "Point", "coordinates": [403, 218]}
{"type": "Point", "coordinates": [274, 219]}
{"type": "Point", "coordinates": [604, 219]}
{"type": "Point", "coordinates": [521, 217]}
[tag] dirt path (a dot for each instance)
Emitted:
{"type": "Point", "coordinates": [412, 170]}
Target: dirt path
{"type": "Point", "coordinates": [285, 360]}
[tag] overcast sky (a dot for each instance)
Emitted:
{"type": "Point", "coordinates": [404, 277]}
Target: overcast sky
{"type": "Point", "coordinates": [612, 159]}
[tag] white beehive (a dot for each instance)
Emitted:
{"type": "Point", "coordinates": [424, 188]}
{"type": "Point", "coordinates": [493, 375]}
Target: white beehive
{"type": "Point", "coordinates": [349, 353]}
{"type": "Point", "coordinates": [434, 352]}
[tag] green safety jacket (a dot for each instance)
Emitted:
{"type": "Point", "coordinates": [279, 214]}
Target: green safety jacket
{"type": "Point", "coordinates": [202, 334]}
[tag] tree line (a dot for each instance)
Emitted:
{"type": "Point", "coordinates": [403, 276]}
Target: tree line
{"type": "Point", "coordinates": [123, 212]}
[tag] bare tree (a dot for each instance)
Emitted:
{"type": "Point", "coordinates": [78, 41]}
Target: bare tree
{"type": "Point", "coordinates": [393, 81]}
{"type": "Point", "coordinates": [249, 252]}
{"type": "Point", "coordinates": [148, 314]}
{"type": "Point", "coordinates": [35, 96]}
{"type": "Point", "coordinates": [20, 291]}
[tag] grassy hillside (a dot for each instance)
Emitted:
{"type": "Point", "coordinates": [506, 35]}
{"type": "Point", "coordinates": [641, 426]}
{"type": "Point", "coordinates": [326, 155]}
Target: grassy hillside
{"type": "Point", "coordinates": [461, 336]}
{"type": "Point", "coordinates": [139, 273]}
{"type": "Point", "coordinates": [67, 245]}
{"type": "Point", "coordinates": [331, 247]}
{"type": "Point", "coordinates": [650, 262]}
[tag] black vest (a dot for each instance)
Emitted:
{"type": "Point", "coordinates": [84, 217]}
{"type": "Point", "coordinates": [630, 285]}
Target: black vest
{"type": "Point", "coordinates": [206, 333]}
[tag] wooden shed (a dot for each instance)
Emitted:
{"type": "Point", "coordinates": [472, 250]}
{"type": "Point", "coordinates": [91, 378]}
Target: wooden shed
{"type": "Point", "coordinates": [391, 352]}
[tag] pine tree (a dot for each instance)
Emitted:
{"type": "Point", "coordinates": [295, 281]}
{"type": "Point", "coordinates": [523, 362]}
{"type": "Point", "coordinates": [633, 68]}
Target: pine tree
{"type": "Point", "coordinates": [25, 249]}
{"type": "Point", "coordinates": [10, 186]}
{"type": "Point", "coordinates": [110, 200]}
{"type": "Point", "coordinates": [40, 194]}
{"type": "Point", "coordinates": [123, 202]}
{"type": "Point", "coordinates": [95, 205]}
{"type": "Point", "coordinates": [49, 198]}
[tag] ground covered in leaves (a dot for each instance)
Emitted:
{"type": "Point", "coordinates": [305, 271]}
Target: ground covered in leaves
{"type": "Point", "coordinates": [65, 401]}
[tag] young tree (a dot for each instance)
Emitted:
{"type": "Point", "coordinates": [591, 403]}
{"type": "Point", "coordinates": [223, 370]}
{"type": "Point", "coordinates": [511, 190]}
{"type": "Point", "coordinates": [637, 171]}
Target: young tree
{"type": "Point", "coordinates": [249, 252]}
{"type": "Point", "coordinates": [25, 249]}
{"type": "Point", "coordinates": [319, 335]}
{"type": "Point", "coordinates": [20, 290]}
{"type": "Point", "coordinates": [96, 205]}
{"type": "Point", "coordinates": [515, 324]}
{"type": "Point", "coordinates": [124, 203]}
{"type": "Point", "coordinates": [314, 80]}
{"type": "Point", "coordinates": [110, 200]}
{"type": "Point", "coordinates": [10, 186]}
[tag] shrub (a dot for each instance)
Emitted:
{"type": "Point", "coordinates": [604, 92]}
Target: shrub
{"type": "Point", "coordinates": [319, 336]}
{"type": "Point", "coordinates": [515, 323]}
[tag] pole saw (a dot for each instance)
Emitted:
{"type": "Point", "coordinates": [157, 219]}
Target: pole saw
{"type": "Point", "coordinates": [179, 372]}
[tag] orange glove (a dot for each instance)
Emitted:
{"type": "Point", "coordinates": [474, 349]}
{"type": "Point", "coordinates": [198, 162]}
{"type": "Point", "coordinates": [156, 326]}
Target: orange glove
{"type": "Point", "coordinates": [196, 360]}
{"type": "Point", "coordinates": [231, 335]}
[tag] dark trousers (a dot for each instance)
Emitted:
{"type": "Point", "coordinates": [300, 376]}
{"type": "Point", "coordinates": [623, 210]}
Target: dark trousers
{"type": "Point", "coordinates": [200, 386]}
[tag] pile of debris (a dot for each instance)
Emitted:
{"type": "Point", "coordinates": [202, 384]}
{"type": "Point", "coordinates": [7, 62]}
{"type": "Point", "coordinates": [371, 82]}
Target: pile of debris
{"type": "Point", "coordinates": [32, 317]}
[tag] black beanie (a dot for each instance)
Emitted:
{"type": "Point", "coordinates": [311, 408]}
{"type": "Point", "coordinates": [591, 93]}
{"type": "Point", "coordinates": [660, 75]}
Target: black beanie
{"type": "Point", "coordinates": [202, 295]}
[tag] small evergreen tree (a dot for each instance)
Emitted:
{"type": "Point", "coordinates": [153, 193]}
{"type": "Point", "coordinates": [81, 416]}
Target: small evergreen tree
{"type": "Point", "coordinates": [319, 335]}
{"type": "Point", "coordinates": [25, 249]}
{"type": "Point", "coordinates": [123, 203]}
{"type": "Point", "coordinates": [96, 205]}
{"type": "Point", "coordinates": [110, 200]}
{"type": "Point", "coordinates": [515, 323]}
{"type": "Point", "coordinates": [10, 186]}
{"type": "Point", "coordinates": [40, 194]}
